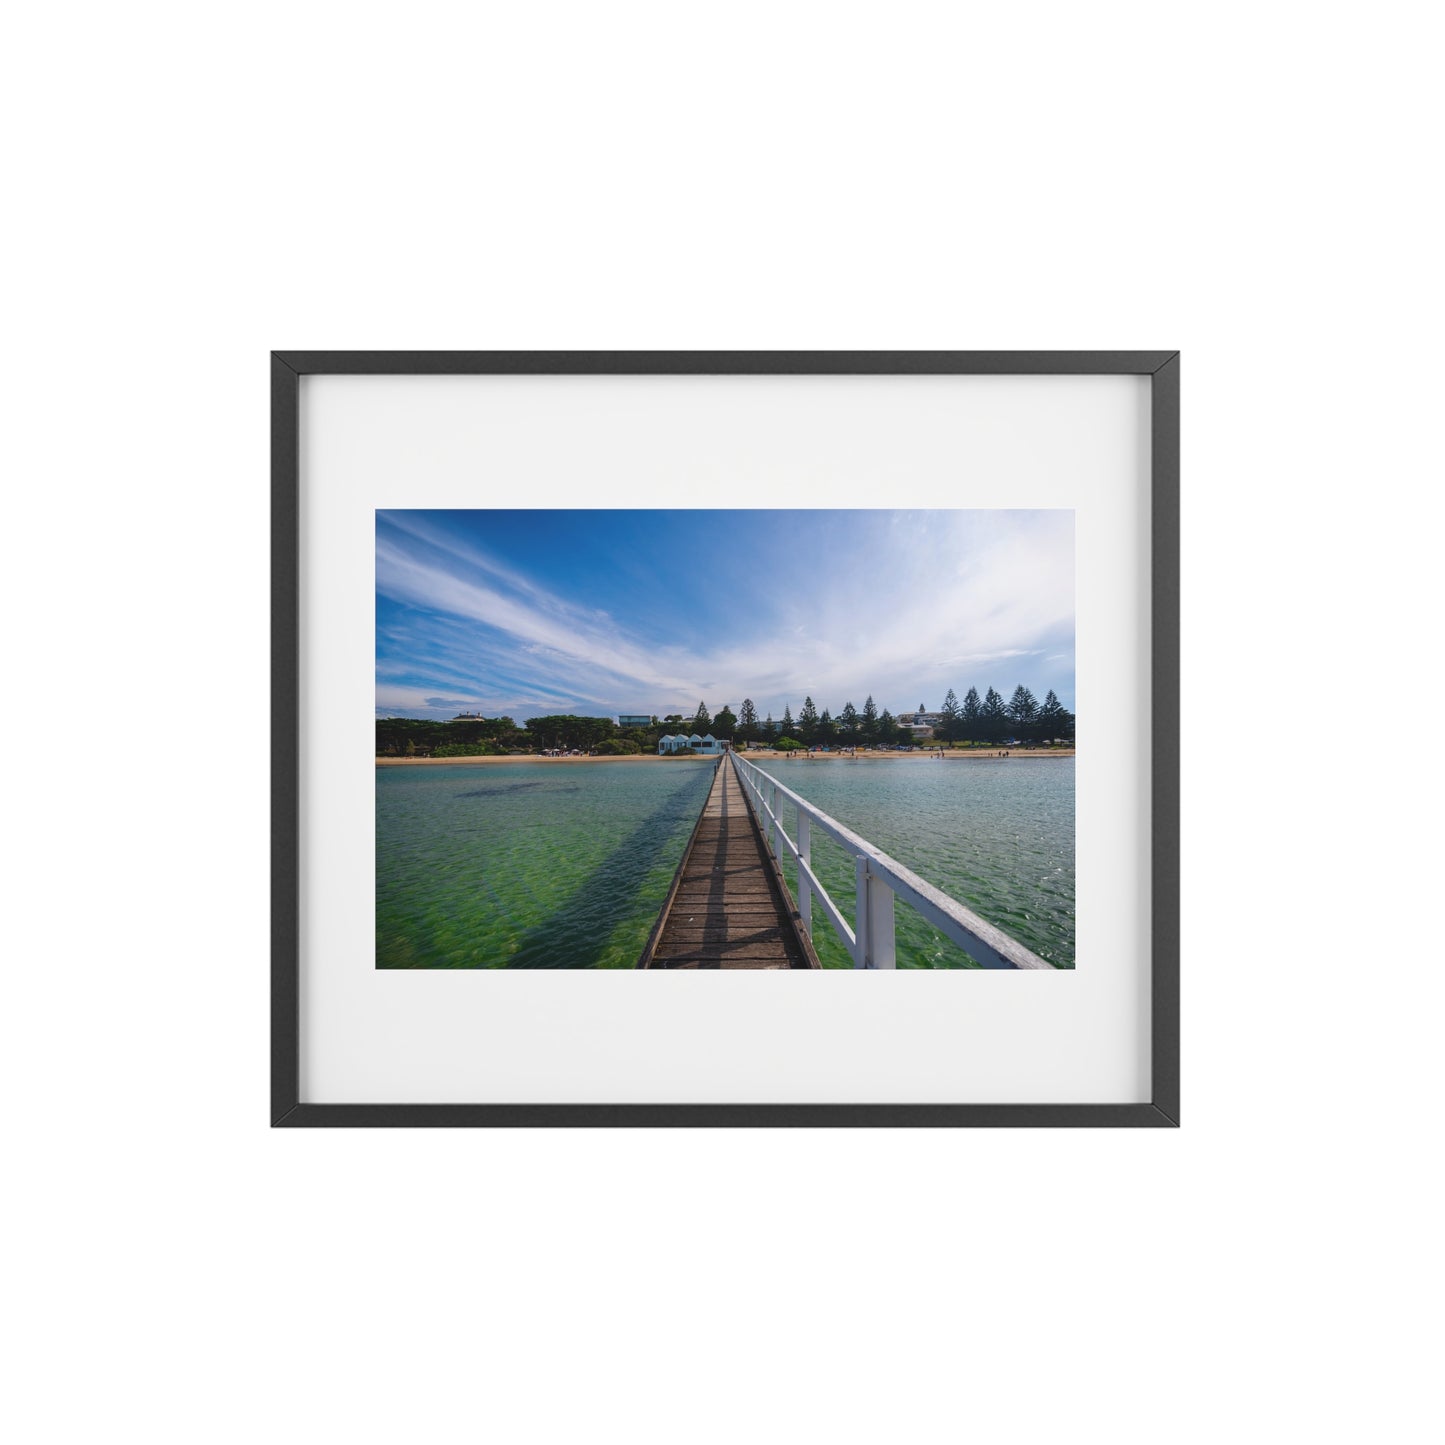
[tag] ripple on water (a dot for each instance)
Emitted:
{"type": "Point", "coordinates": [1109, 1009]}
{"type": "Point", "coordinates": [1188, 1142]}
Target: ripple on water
{"type": "Point", "coordinates": [999, 838]}
{"type": "Point", "coordinates": [544, 869]}
{"type": "Point", "coordinates": [536, 869]}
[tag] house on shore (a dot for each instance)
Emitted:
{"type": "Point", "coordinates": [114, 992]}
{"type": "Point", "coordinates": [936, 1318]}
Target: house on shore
{"type": "Point", "coordinates": [920, 724]}
{"type": "Point", "coordinates": [675, 743]}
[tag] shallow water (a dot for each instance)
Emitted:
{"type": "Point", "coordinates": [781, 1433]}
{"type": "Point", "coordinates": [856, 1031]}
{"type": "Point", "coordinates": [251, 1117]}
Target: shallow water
{"type": "Point", "coordinates": [996, 835]}
{"type": "Point", "coordinates": [540, 865]}
{"type": "Point", "coordinates": [528, 865]}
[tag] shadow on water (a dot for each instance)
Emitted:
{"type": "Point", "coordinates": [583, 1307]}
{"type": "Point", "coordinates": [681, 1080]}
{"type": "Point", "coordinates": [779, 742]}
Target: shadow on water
{"type": "Point", "coordinates": [505, 788]}
{"type": "Point", "coordinates": [576, 933]}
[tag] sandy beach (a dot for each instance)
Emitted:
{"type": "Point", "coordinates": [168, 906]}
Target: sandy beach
{"type": "Point", "coordinates": [995, 755]}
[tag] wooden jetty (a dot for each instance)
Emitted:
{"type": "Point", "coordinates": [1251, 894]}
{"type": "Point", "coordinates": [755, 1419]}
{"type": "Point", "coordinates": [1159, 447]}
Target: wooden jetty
{"type": "Point", "coordinates": [728, 906]}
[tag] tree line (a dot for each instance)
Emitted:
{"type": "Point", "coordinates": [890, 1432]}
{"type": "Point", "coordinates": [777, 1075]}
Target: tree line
{"type": "Point", "coordinates": [984, 721]}
{"type": "Point", "coordinates": [992, 720]}
{"type": "Point", "coordinates": [988, 720]}
{"type": "Point", "coordinates": [483, 737]}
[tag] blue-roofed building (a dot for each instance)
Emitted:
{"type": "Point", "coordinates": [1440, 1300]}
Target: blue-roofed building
{"type": "Point", "coordinates": [674, 743]}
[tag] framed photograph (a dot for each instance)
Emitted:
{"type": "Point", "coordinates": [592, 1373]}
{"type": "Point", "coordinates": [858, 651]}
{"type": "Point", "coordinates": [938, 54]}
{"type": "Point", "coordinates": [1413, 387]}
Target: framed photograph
{"type": "Point", "coordinates": [632, 711]}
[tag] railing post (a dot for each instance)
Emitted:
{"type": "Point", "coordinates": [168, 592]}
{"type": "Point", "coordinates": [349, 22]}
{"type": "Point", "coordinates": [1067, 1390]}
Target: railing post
{"type": "Point", "coordinates": [881, 948]}
{"type": "Point", "coordinates": [873, 920]}
{"type": "Point", "coordinates": [860, 912]}
{"type": "Point", "coordinates": [805, 889]}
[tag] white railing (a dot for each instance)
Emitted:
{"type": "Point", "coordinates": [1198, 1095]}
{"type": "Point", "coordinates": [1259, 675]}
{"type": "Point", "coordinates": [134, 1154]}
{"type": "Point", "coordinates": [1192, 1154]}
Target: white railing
{"type": "Point", "coordinates": [879, 879]}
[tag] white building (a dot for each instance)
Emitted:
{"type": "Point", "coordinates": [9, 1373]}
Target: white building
{"type": "Point", "coordinates": [920, 724]}
{"type": "Point", "coordinates": [673, 743]}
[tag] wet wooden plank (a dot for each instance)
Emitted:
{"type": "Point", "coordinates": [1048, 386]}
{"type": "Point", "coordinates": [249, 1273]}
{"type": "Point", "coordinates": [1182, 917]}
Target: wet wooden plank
{"type": "Point", "coordinates": [712, 955]}
{"type": "Point", "coordinates": [717, 962]}
{"type": "Point", "coordinates": [727, 908]}
{"type": "Point", "coordinates": [769, 941]}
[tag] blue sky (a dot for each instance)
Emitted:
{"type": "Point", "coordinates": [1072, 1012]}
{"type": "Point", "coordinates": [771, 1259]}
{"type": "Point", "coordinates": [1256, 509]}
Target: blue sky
{"type": "Point", "coordinates": [601, 612]}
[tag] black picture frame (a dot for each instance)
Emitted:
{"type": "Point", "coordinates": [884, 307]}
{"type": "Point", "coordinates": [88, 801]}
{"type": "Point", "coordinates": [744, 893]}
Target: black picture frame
{"type": "Point", "coordinates": [287, 369]}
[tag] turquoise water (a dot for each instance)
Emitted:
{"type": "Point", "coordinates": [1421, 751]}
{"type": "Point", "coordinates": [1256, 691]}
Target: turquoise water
{"type": "Point", "coordinates": [545, 865]}
{"type": "Point", "coordinates": [997, 836]}
{"type": "Point", "coordinates": [528, 865]}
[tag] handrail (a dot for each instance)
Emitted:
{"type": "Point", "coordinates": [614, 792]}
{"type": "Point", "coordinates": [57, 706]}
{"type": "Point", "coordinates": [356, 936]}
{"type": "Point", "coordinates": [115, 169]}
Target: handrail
{"type": "Point", "coordinates": [879, 879]}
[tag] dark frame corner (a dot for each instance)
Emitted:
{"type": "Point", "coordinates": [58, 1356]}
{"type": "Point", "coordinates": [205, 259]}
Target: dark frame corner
{"type": "Point", "coordinates": [287, 369]}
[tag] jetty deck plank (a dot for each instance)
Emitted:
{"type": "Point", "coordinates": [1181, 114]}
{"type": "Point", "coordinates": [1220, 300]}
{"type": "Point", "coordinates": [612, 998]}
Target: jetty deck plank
{"type": "Point", "coordinates": [728, 908]}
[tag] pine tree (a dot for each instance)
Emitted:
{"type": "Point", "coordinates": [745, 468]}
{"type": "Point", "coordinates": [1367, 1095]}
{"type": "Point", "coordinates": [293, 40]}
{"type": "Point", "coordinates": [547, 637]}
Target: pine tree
{"type": "Point", "coordinates": [702, 720]}
{"type": "Point", "coordinates": [887, 731]}
{"type": "Point", "coordinates": [969, 716]}
{"type": "Point", "coordinates": [993, 717]}
{"type": "Point", "coordinates": [808, 722]}
{"type": "Point", "coordinates": [950, 716]}
{"type": "Point", "coordinates": [770, 729]}
{"type": "Point", "coordinates": [787, 729]}
{"type": "Point", "coordinates": [748, 722]}
{"type": "Point", "coordinates": [1053, 720]}
{"type": "Point", "coordinates": [1023, 710]}
{"type": "Point", "coordinates": [848, 723]}
{"type": "Point", "coordinates": [827, 731]}
{"type": "Point", "coordinates": [870, 720]}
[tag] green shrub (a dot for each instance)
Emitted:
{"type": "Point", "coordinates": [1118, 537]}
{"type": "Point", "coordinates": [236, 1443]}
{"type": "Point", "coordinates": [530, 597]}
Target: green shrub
{"type": "Point", "coordinates": [787, 745]}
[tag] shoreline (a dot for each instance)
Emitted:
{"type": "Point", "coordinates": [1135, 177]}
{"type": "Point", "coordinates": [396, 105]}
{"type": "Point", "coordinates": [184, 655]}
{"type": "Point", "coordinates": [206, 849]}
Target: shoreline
{"type": "Point", "coordinates": [990, 755]}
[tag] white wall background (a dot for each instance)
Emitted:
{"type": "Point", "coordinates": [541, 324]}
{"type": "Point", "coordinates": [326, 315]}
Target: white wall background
{"type": "Point", "coordinates": [190, 187]}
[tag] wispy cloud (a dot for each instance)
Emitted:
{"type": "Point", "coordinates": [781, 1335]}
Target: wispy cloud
{"type": "Point", "coordinates": [835, 605]}
{"type": "Point", "coordinates": [548, 626]}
